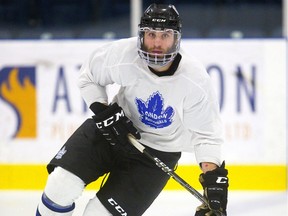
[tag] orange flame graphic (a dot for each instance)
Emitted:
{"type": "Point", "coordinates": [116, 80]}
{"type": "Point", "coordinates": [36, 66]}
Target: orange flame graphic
{"type": "Point", "coordinates": [23, 99]}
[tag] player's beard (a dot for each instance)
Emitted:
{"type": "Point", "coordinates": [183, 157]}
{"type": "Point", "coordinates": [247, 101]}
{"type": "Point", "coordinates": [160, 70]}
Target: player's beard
{"type": "Point", "coordinates": [158, 53]}
{"type": "Point", "coordinates": [157, 56]}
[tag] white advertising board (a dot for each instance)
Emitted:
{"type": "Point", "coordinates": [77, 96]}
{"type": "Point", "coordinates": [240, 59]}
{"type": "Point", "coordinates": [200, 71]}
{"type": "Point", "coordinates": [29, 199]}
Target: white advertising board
{"type": "Point", "coordinates": [40, 104]}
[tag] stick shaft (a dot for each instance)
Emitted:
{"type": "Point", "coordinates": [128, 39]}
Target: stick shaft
{"type": "Point", "coordinates": [170, 172]}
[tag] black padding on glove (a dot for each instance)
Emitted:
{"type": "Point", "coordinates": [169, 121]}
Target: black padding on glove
{"type": "Point", "coordinates": [114, 125]}
{"type": "Point", "coordinates": [215, 184]}
{"type": "Point", "coordinates": [98, 107]}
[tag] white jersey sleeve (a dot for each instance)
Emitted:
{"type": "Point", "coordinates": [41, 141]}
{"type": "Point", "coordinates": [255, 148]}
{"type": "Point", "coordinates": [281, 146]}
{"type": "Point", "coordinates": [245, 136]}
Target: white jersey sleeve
{"type": "Point", "coordinates": [115, 62]}
{"type": "Point", "coordinates": [91, 81]}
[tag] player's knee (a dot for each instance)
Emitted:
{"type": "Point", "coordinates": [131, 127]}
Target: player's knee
{"type": "Point", "coordinates": [61, 190]}
{"type": "Point", "coordinates": [95, 207]}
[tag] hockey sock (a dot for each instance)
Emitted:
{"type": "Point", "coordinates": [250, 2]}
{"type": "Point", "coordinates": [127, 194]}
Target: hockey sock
{"type": "Point", "coordinates": [54, 208]}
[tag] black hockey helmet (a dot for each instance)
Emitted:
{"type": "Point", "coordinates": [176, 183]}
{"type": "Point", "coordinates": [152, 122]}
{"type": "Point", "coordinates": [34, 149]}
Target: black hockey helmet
{"type": "Point", "coordinates": [161, 16]}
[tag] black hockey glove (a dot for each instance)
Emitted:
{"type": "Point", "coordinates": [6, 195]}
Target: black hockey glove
{"type": "Point", "coordinates": [114, 125]}
{"type": "Point", "coordinates": [215, 184]}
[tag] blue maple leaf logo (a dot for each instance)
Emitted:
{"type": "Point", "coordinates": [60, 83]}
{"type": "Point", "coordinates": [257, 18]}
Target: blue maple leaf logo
{"type": "Point", "coordinates": [153, 113]}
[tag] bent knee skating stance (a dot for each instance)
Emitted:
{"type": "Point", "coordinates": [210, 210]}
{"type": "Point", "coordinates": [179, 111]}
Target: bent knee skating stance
{"type": "Point", "coordinates": [60, 193]}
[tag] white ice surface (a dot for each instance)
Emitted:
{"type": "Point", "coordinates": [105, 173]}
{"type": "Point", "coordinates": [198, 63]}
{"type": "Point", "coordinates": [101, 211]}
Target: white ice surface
{"type": "Point", "coordinates": [180, 203]}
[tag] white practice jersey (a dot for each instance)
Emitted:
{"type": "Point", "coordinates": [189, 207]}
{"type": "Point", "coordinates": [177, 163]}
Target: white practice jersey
{"type": "Point", "coordinates": [173, 113]}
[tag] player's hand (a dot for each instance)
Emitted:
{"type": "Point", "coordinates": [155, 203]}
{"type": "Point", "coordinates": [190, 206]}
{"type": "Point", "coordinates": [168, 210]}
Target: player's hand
{"type": "Point", "coordinates": [204, 210]}
{"type": "Point", "coordinates": [215, 184]}
{"type": "Point", "coordinates": [114, 125]}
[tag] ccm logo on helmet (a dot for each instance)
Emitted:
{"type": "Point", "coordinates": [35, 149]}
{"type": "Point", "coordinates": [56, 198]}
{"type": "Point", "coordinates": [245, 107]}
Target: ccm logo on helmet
{"type": "Point", "coordinates": [117, 207]}
{"type": "Point", "coordinates": [110, 120]}
{"type": "Point", "coordinates": [158, 20]}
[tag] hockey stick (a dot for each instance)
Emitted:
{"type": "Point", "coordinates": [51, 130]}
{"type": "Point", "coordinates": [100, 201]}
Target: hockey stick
{"type": "Point", "coordinates": [170, 172]}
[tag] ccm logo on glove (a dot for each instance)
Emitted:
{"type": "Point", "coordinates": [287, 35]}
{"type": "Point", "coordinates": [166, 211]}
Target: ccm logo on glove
{"type": "Point", "coordinates": [114, 125]}
{"type": "Point", "coordinates": [222, 180]}
{"type": "Point", "coordinates": [111, 120]}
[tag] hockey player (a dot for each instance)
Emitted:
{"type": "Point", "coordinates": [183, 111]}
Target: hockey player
{"type": "Point", "coordinates": [165, 101]}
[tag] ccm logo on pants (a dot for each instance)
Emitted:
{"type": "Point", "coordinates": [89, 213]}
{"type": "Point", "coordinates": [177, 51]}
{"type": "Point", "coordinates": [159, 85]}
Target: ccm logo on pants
{"type": "Point", "coordinates": [117, 207]}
